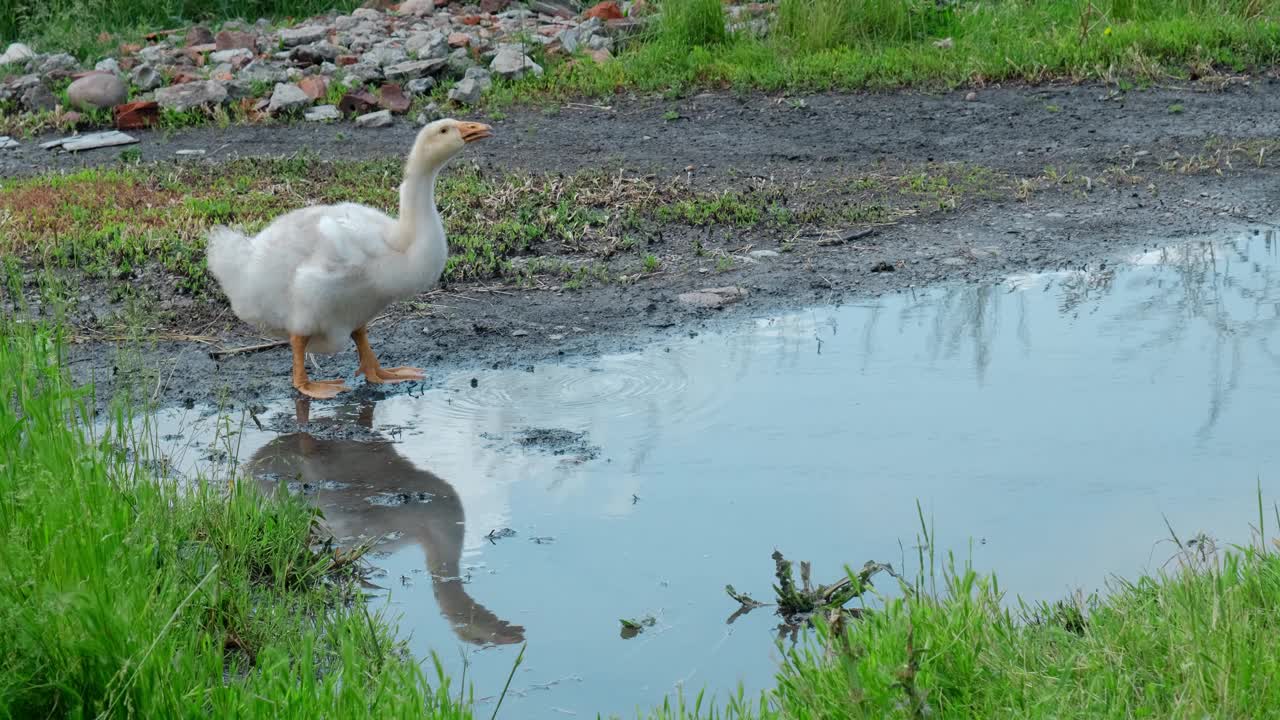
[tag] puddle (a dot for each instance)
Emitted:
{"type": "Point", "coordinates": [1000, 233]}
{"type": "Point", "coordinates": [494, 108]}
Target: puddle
{"type": "Point", "coordinates": [1047, 424]}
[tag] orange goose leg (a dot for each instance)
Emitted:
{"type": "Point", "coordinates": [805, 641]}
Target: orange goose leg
{"type": "Point", "coordinates": [318, 389]}
{"type": "Point", "coordinates": [375, 373]}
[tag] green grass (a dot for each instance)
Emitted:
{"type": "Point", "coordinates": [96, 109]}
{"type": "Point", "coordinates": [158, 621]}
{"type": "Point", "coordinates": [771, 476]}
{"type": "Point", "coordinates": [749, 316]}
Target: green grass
{"type": "Point", "coordinates": [111, 223]}
{"type": "Point", "coordinates": [74, 25]}
{"type": "Point", "coordinates": [125, 595]}
{"type": "Point", "coordinates": [1178, 644]}
{"type": "Point", "coordinates": [855, 44]}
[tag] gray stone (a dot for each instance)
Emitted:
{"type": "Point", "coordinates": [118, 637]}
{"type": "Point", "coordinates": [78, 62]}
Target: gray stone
{"type": "Point", "coordinates": [145, 77]}
{"type": "Point", "coordinates": [343, 23]}
{"type": "Point", "coordinates": [713, 298]}
{"type": "Point", "coordinates": [226, 56]}
{"type": "Point", "coordinates": [511, 63]}
{"type": "Point", "coordinates": [262, 71]}
{"type": "Point", "coordinates": [108, 65]}
{"type": "Point", "coordinates": [293, 37]}
{"type": "Point", "coordinates": [480, 75]}
{"type": "Point", "coordinates": [92, 141]}
{"type": "Point", "coordinates": [428, 45]}
{"type": "Point", "coordinates": [417, 7]}
{"type": "Point", "coordinates": [238, 89]}
{"type": "Point", "coordinates": [287, 98]}
{"type": "Point", "coordinates": [322, 113]}
{"type": "Point", "coordinates": [155, 54]}
{"type": "Point", "coordinates": [314, 53]}
{"type": "Point", "coordinates": [381, 118]}
{"type": "Point", "coordinates": [192, 95]}
{"type": "Point", "coordinates": [764, 254]}
{"type": "Point", "coordinates": [60, 62]}
{"type": "Point", "coordinates": [7, 143]}
{"type": "Point", "coordinates": [366, 14]}
{"type": "Point", "coordinates": [459, 62]}
{"type": "Point", "coordinates": [15, 53]}
{"type": "Point", "coordinates": [384, 54]}
{"type": "Point", "coordinates": [600, 42]}
{"type": "Point", "coordinates": [413, 69]}
{"type": "Point", "coordinates": [466, 92]}
{"type": "Point", "coordinates": [37, 98]}
{"type": "Point", "coordinates": [429, 113]}
{"type": "Point", "coordinates": [97, 91]}
{"type": "Point", "coordinates": [420, 86]}
{"type": "Point", "coordinates": [364, 72]}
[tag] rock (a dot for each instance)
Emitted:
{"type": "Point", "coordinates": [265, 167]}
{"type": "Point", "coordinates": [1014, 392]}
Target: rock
{"type": "Point", "coordinates": [134, 115]}
{"type": "Point", "coordinates": [944, 44]}
{"type": "Point", "coordinates": [263, 71]}
{"type": "Point", "coordinates": [417, 7]}
{"type": "Point", "coordinates": [97, 91]}
{"type": "Point", "coordinates": [420, 86]}
{"type": "Point", "coordinates": [107, 65]}
{"type": "Point", "coordinates": [428, 45]}
{"type": "Point", "coordinates": [365, 72]}
{"type": "Point", "coordinates": [231, 55]}
{"type": "Point", "coordinates": [883, 266]}
{"type": "Point", "coordinates": [322, 113]}
{"type": "Point", "coordinates": [391, 97]}
{"type": "Point", "coordinates": [385, 54]}
{"type": "Point", "coordinates": [38, 98]}
{"type": "Point", "coordinates": [381, 118]}
{"type": "Point", "coordinates": [235, 40]}
{"type": "Point", "coordinates": [155, 54]}
{"type": "Point", "coordinates": [511, 63]}
{"type": "Point", "coordinates": [459, 40]}
{"type": "Point", "coordinates": [429, 113]}
{"type": "Point", "coordinates": [199, 35]}
{"type": "Point", "coordinates": [573, 38]}
{"type": "Point", "coordinates": [110, 138]}
{"type": "Point", "coordinates": [480, 75]}
{"type": "Point", "coordinates": [60, 63]}
{"type": "Point", "coordinates": [15, 53]}
{"type": "Point", "coordinates": [713, 298]}
{"type": "Point", "coordinates": [764, 254]}
{"type": "Point", "coordinates": [970, 96]}
{"type": "Point", "coordinates": [600, 56]}
{"type": "Point", "coordinates": [493, 7]}
{"type": "Point", "coordinates": [315, 86]}
{"type": "Point", "coordinates": [145, 78]}
{"type": "Point", "coordinates": [293, 37]}
{"type": "Point", "coordinates": [188, 96]}
{"type": "Point", "coordinates": [357, 102]}
{"type": "Point", "coordinates": [313, 54]}
{"type": "Point", "coordinates": [554, 9]}
{"type": "Point", "coordinates": [607, 10]}
{"type": "Point", "coordinates": [287, 98]}
{"type": "Point", "coordinates": [7, 143]}
{"type": "Point", "coordinates": [413, 69]}
{"type": "Point", "coordinates": [466, 92]}
{"type": "Point", "coordinates": [238, 89]}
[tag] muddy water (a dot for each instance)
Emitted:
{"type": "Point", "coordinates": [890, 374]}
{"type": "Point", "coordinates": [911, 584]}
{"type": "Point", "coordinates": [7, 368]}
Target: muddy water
{"type": "Point", "coordinates": [1047, 425]}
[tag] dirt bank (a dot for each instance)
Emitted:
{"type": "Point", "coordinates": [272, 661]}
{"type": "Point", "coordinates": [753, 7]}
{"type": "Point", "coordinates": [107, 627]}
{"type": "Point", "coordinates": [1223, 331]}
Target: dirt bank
{"type": "Point", "coordinates": [1104, 173]}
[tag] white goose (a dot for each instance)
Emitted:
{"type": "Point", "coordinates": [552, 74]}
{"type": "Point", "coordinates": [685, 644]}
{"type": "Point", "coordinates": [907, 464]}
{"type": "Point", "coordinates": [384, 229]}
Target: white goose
{"type": "Point", "coordinates": [317, 275]}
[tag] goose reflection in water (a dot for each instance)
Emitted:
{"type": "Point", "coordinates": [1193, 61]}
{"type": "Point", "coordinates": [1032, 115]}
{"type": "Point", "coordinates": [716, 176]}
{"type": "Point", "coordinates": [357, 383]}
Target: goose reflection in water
{"type": "Point", "coordinates": [368, 468]}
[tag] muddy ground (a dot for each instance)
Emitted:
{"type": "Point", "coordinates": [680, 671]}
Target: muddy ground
{"type": "Point", "coordinates": [1137, 144]}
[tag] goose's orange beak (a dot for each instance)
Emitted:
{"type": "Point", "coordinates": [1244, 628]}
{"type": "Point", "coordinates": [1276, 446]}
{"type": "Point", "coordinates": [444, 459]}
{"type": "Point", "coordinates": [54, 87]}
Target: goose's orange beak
{"type": "Point", "coordinates": [474, 131]}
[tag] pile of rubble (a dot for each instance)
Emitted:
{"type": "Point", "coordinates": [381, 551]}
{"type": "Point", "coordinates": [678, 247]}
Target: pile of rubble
{"type": "Point", "coordinates": [322, 69]}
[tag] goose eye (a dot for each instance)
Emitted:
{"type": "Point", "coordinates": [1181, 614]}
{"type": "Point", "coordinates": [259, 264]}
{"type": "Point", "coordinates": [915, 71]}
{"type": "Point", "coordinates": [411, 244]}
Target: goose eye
{"type": "Point", "coordinates": [444, 130]}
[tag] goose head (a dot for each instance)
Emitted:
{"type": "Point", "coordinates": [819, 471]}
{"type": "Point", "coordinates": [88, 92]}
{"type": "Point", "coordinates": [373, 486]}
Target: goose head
{"type": "Point", "coordinates": [439, 141]}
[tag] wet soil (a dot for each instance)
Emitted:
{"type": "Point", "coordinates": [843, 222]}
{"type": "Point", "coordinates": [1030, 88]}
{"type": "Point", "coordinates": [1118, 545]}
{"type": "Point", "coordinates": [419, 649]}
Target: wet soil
{"type": "Point", "coordinates": [722, 141]}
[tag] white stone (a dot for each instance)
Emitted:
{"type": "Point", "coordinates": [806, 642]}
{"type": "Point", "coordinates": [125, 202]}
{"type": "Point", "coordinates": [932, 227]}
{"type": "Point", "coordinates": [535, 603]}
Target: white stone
{"type": "Point", "coordinates": [381, 118]}
{"type": "Point", "coordinates": [16, 52]}
{"type": "Point", "coordinates": [322, 113]}
{"type": "Point", "coordinates": [287, 98]}
{"type": "Point", "coordinates": [191, 95]}
{"type": "Point", "coordinates": [511, 63]}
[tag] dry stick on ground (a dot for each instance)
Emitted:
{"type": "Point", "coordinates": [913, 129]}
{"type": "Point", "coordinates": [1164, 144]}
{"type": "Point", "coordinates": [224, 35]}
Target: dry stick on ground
{"type": "Point", "coordinates": [848, 237]}
{"type": "Point", "coordinates": [228, 352]}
